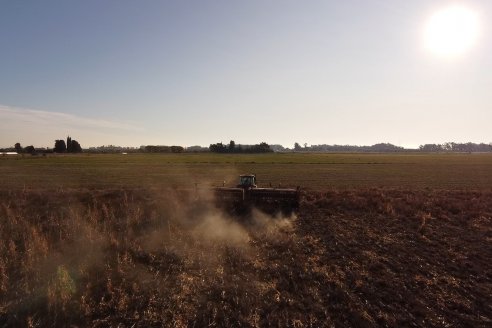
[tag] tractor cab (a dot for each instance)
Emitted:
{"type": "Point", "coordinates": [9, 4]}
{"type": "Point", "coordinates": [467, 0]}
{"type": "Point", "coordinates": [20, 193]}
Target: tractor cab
{"type": "Point", "coordinates": [247, 181]}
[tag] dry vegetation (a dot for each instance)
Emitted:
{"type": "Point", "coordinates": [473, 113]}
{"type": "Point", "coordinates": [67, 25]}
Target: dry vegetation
{"type": "Point", "coordinates": [151, 258]}
{"type": "Point", "coordinates": [380, 240]}
{"type": "Point", "coordinates": [319, 172]}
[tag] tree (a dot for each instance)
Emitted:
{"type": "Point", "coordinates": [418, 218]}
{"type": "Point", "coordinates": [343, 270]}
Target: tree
{"type": "Point", "coordinates": [75, 147]}
{"type": "Point", "coordinates": [431, 148]}
{"type": "Point", "coordinates": [60, 146]}
{"type": "Point", "coordinates": [18, 148]}
{"type": "Point", "coordinates": [69, 144]}
{"type": "Point", "coordinates": [232, 146]}
{"type": "Point", "coordinates": [263, 147]}
{"type": "Point", "coordinates": [30, 149]}
{"type": "Point", "coordinates": [297, 146]}
{"type": "Point", "coordinates": [218, 148]}
{"type": "Point", "coordinates": [177, 149]}
{"type": "Point", "coordinates": [157, 149]}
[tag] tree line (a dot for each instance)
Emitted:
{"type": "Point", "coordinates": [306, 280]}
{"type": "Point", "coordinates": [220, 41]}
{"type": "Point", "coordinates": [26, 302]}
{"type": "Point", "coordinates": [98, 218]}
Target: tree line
{"type": "Point", "coordinates": [262, 147]}
{"type": "Point", "coordinates": [379, 148]}
{"type": "Point", "coordinates": [72, 146]}
{"type": "Point", "coordinates": [163, 149]}
{"type": "Point", "coordinates": [468, 147]}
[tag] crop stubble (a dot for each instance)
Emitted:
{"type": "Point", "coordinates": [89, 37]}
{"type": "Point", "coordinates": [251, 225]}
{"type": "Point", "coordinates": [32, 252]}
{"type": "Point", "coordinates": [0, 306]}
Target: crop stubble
{"type": "Point", "coordinates": [85, 245]}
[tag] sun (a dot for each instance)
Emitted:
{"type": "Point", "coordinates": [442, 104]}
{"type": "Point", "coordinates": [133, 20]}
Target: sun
{"type": "Point", "coordinates": [451, 31]}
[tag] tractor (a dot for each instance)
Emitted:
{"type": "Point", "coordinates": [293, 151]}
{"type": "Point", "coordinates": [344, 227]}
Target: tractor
{"type": "Point", "coordinates": [247, 195]}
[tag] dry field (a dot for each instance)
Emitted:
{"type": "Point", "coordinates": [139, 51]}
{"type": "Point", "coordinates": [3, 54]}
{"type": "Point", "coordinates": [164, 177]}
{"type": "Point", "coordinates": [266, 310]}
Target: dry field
{"type": "Point", "coordinates": [380, 240]}
{"type": "Point", "coordinates": [319, 172]}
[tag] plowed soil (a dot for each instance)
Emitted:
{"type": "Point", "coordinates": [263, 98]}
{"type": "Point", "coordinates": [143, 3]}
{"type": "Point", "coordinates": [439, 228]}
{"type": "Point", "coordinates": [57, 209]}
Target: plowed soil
{"type": "Point", "coordinates": [135, 258]}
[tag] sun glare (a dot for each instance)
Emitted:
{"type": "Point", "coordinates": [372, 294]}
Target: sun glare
{"type": "Point", "coordinates": [451, 31]}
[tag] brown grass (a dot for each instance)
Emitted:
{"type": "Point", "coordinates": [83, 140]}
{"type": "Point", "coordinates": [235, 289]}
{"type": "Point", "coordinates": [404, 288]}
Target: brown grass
{"type": "Point", "coordinates": [312, 171]}
{"type": "Point", "coordinates": [148, 258]}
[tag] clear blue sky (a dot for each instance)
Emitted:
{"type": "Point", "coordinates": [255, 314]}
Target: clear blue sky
{"type": "Point", "coordinates": [200, 72]}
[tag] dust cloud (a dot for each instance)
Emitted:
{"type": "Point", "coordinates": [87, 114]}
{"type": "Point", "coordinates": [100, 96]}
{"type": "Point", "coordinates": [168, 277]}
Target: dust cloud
{"type": "Point", "coordinates": [88, 251]}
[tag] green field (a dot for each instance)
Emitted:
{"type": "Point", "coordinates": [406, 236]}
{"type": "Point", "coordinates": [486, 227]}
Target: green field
{"type": "Point", "coordinates": [310, 171]}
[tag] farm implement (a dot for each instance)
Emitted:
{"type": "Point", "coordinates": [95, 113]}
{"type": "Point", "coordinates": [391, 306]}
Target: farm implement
{"type": "Point", "coordinates": [247, 195]}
